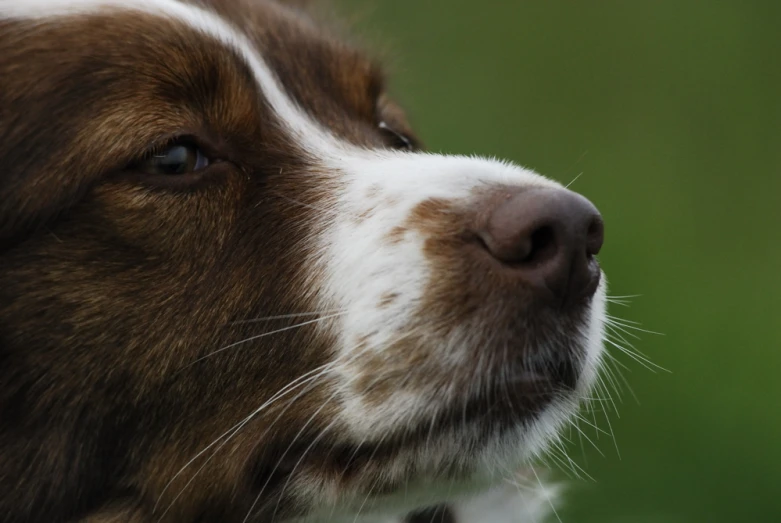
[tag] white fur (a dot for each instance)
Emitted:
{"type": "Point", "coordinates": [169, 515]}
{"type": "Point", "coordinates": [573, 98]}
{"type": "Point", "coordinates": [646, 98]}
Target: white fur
{"type": "Point", "coordinates": [520, 499]}
{"type": "Point", "coordinates": [360, 266]}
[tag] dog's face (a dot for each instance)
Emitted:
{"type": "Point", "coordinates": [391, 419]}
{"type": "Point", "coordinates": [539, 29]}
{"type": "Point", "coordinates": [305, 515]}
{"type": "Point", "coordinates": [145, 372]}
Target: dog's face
{"type": "Point", "coordinates": [231, 284]}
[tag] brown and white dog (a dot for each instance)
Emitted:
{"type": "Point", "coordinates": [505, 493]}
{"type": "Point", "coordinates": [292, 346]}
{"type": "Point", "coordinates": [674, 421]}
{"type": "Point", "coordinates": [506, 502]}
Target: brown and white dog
{"type": "Point", "coordinates": [233, 288]}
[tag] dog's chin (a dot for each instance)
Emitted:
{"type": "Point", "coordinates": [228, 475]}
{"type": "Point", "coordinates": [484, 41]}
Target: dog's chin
{"type": "Point", "coordinates": [465, 452]}
{"type": "Point", "coordinates": [465, 445]}
{"type": "Point", "coordinates": [516, 397]}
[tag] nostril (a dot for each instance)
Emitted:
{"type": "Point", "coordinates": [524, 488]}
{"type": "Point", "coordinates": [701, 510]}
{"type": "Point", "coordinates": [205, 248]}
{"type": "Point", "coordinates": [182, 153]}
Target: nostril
{"type": "Point", "coordinates": [521, 247]}
{"type": "Point", "coordinates": [595, 236]}
{"type": "Point", "coordinates": [543, 246]}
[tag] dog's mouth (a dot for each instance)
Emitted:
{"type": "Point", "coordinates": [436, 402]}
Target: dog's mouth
{"type": "Point", "coordinates": [515, 400]}
{"type": "Point", "coordinates": [509, 400]}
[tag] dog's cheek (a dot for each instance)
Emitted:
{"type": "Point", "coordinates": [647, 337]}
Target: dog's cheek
{"type": "Point", "coordinates": [173, 225]}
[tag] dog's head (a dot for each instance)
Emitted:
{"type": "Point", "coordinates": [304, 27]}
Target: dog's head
{"type": "Point", "coordinates": [231, 283]}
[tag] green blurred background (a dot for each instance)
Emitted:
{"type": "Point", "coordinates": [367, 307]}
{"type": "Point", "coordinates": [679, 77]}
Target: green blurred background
{"type": "Point", "coordinates": [671, 110]}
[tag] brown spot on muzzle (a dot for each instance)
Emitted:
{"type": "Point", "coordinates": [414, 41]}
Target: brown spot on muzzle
{"type": "Point", "coordinates": [435, 216]}
{"type": "Point", "coordinates": [388, 299]}
{"type": "Point", "coordinates": [396, 235]}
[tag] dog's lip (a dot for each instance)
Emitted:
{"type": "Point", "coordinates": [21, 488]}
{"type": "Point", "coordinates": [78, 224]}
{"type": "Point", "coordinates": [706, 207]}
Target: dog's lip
{"type": "Point", "coordinates": [504, 407]}
{"type": "Point", "coordinates": [506, 404]}
{"type": "Point", "coordinates": [517, 398]}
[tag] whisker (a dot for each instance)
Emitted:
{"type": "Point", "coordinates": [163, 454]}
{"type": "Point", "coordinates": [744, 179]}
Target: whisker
{"type": "Point", "coordinates": [521, 487]}
{"type": "Point", "coordinates": [335, 363]}
{"type": "Point", "coordinates": [612, 381]}
{"type": "Point", "coordinates": [554, 461]}
{"type": "Point", "coordinates": [257, 337]}
{"type": "Point", "coordinates": [639, 358]}
{"type": "Point", "coordinates": [606, 414]}
{"type": "Point", "coordinates": [629, 324]}
{"type": "Point", "coordinates": [620, 375]}
{"type": "Point", "coordinates": [347, 467]}
{"type": "Point", "coordinates": [616, 372]}
{"type": "Point", "coordinates": [233, 431]}
{"type": "Point", "coordinates": [322, 433]}
{"type": "Point", "coordinates": [282, 457]}
{"type": "Point", "coordinates": [590, 424]}
{"type": "Point", "coordinates": [579, 472]}
{"type": "Point", "coordinates": [602, 387]}
{"type": "Point", "coordinates": [287, 316]}
{"type": "Point", "coordinates": [575, 179]}
{"type": "Point", "coordinates": [618, 363]}
{"type": "Point", "coordinates": [372, 486]}
{"type": "Point", "coordinates": [553, 508]}
{"type": "Point", "coordinates": [576, 421]}
{"type": "Point", "coordinates": [621, 303]}
{"type": "Point", "coordinates": [617, 330]}
{"type": "Point", "coordinates": [583, 434]}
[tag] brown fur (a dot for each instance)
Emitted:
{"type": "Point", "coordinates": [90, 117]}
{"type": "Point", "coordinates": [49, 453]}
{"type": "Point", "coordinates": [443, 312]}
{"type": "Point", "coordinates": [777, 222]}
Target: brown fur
{"type": "Point", "coordinates": [116, 289]}
{"type": "Point", "coordinates": [133, 307]}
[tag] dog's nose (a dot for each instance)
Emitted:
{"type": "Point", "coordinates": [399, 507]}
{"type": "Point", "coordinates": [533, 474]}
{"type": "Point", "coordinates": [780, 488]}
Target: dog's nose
{"type": "Point", "coordinates": [548, 238]}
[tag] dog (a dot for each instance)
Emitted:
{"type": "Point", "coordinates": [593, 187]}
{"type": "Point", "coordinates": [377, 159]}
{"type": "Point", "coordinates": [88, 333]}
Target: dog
{"type": "Point", "coordinates": [235, 288]}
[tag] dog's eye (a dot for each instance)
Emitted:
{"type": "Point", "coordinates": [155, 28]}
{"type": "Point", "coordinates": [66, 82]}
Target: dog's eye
{"type": "Point", "coordinates": [397, 139]}
{"type": "Point", "coordinates": [177, 158]}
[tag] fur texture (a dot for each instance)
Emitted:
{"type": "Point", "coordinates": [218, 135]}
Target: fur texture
{"type": "Point", "coordinates": [301, 331]}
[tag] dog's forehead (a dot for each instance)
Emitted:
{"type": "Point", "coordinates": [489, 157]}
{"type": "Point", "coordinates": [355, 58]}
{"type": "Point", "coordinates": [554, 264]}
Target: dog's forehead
{"type": "Point", "coordinates": [302, 74]}
{"type": "Point", "coordinates": [323, 73]}
{"type": "Point", "coordinates": [320, 72]}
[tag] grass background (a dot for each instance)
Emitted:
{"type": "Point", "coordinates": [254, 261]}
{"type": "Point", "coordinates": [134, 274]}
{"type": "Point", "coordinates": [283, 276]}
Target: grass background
{"type": "Point", "coordinates": [671, 110]}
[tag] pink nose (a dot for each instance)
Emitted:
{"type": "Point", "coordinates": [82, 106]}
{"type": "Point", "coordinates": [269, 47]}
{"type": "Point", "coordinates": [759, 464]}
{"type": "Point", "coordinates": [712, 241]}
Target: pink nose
{"type": "Point", "coordinates": [548, 238]}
